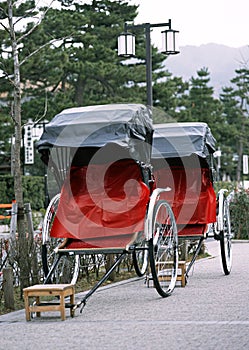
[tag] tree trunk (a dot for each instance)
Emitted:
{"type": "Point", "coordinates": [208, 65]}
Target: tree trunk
{"type": "Point", "coordinates": [9, 301]}
{"type": "Point", "coordinates": [238, 170]}
{"type": "Point", "coordinates": [241, 142]}
{"type": "Point", "coordinates": [16, 115]}
{"type": "Point", "coordinates": [79, 91]}
{"type": "Point", "coordinates": [33, 261]}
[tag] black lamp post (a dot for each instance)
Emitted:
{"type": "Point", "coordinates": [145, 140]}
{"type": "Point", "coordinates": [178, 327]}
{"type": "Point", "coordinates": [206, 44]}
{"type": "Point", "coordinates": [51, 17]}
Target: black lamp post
{"type": "Point", "coordinates": [126, 48]}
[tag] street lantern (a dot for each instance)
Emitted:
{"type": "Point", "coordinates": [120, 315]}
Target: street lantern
{"type": "Point", "coordinates": [126, 47]}
{"type": "Point", "coordinates": [126, 44]}
{"type": "Point", "coordinates": [169, 42]}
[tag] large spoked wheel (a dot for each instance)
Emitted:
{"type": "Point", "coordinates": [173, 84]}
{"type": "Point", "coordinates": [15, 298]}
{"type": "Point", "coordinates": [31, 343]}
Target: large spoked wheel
{"type": "Point", "coordinates": [226, 240]}
{"type": "Point", "coordinates": [67, 269]}
{"type": "Point", "coordinates": [163, 249]}
{"type": "Point", "coordinates": [141, 258]}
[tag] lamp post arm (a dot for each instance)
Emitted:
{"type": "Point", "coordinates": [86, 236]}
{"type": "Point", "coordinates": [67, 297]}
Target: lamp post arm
{"type": "Point", "coordinates": [145, 25]}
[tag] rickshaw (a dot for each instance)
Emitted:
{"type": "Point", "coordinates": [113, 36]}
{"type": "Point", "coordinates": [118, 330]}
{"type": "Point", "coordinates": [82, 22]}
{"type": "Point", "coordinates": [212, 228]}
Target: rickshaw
{"type": "Point", "coordinates": [183, 159]}
{"type": "Point", "coordinates": [106, 201]}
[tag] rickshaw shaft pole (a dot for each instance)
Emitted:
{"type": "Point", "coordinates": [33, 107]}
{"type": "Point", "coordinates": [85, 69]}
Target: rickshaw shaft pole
{"type": "Point", "coordinates": [194, 256]}
{"type": "Point", "coordinates": [51, 271]}
{"type": "Point", "coordinates": [100, 282]}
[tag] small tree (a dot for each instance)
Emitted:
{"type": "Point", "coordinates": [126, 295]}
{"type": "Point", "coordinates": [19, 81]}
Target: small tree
{"type": "Point", "coordinates": [231, 131]}
{"type": "Point", "coordinates": [16, 117]}
{"type": "Point", "coordinates": [11, 13]}
{"type": "Point", "coordinates": [241, 94]}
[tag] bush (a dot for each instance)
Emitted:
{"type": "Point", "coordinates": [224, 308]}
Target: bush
{"type": "Point", "coordinates": [239, 208]}
{"type": "Point", "coordinates": [6, 189]}
{"type": "Point", "coordinates": [228, 185]}
{"type": "Point", "coordinates": [33, 190]}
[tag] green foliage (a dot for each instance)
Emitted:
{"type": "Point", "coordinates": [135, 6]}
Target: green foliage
{"type": "Point", "coordinates": [34, 190]}
{"type": "Point", "coordinates": [73, 64]}
{"type": "Point", "coordinates": [6, 189]}
{"type": "Point", "coordinates": [240, 214]}
{"type": "Point", "coordinates": [170, 95]}
{"type": "Point", "coordinates": [82, 66]}
{"type": "Point", "coordinates": [5, 137]}
{"type": "Point", "coordinates": [239, 208]}
{"type": "Point", "coordinates": [200, 105]}
{"type": "Point", "coordinates": [228, 185]}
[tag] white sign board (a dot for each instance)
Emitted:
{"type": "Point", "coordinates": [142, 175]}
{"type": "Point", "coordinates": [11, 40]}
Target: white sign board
{"type": "Point", "coordinates": [28, 144]}
{"type": "Point", "coordinates": [245, 164]}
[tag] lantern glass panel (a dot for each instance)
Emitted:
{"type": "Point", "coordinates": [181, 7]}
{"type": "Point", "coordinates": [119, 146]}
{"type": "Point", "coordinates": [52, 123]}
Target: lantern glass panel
{"type": "Point", "coordinates": [126, 44]}
{"type": "Point", "coordinates": [169, 42]}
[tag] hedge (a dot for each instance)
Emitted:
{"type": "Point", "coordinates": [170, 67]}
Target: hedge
{"type": "Point", "coordinates": [239, 208]}
{"type": "Point", "coordinates": [33, 190]}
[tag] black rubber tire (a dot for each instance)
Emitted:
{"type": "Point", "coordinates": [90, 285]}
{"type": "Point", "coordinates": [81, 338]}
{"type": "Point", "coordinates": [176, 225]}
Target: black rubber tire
{"type": "Point", "coordinates": [226, 240]}
{"type": "Point", "coordinates": [141, 259]}
{"type": "Point", "coordinates": [163, 249]}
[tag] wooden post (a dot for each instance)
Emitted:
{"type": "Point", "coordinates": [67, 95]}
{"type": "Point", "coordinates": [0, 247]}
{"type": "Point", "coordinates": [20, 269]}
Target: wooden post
{"type": "Point", "coordinates": [32, 244]}
{"type": "Point", "coordinates": [13, 221]}
{"type": "Point", "coordinates": [109, 263]}
{"type": "Point", "coordinates": [184, 250]}
{"type": "Point", "coordinates": [8, 288]}
{"type": "Point", "coordinates": [28, 212]}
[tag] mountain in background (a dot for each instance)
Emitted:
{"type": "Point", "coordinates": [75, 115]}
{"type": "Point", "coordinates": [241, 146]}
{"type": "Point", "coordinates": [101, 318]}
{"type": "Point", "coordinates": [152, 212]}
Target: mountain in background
{"type": "Point", "coordinates": [220, 60]}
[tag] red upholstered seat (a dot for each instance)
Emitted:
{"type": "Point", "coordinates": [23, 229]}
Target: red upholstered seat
{"type": "Point", "coordinates": [102, 206]}
{"type": "Point", "coordinates": [192, 197]}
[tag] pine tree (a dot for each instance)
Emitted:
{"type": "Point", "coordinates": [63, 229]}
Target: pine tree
{"type": "Point", "coordinates": [241, 95]}
{"type": "Point", "coordinates": [170, 96]}
{"type": "Point", "coordinates": [230, 133]}
{"type": "Point", "coordinates": [82, 67]}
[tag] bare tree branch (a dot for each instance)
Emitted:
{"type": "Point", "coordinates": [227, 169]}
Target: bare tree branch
{"type": "Point", "coordinates": [243, 62]}
{"type": "Point", "coordinates": [6, 76]}
{"type": "Point", "coordinates": [37, 24]}
{"type": "Point", "coordinates": [4, 27]}
{"type": "Point", "coordinates": [40, 48]}
{"type": "Point", "coordinates": [3, 11]}
{"type": "Point", "coordinates": [45, 109]}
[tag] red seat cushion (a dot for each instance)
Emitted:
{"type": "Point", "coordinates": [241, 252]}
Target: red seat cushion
{"type": "Point", "coordinates": [192, 196]}
{"type": "Point", "coordinates": [101, 203]}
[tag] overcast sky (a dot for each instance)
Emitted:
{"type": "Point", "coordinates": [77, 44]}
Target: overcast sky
{"type": "Point", "coordinates": [199, 22]}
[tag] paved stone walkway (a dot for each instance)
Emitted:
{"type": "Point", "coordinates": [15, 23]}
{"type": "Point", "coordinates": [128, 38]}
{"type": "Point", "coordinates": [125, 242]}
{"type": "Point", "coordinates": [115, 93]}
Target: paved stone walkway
{"type": "Point", "coordinates": [211, 312]}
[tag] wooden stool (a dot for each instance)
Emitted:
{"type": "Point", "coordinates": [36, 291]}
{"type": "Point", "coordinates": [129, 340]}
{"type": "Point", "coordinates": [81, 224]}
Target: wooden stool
{"type": "Point", "coordinates": [45, 290]}
{"type": "Point", "coordinates": [180, 274]}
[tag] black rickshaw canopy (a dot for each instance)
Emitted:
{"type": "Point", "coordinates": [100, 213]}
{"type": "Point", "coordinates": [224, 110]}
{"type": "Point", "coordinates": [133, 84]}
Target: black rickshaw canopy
{"type": "Point", "coordinates": [173, 140]}
{"type": "Point", "coordinates": [126, 125]}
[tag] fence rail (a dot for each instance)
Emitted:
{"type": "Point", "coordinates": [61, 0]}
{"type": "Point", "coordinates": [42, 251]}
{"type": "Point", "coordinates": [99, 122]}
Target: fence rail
{"type": "Point", "coordinates": [5, 206]}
